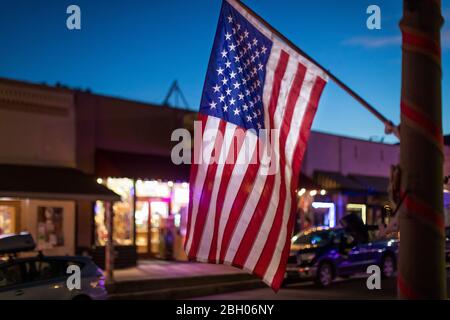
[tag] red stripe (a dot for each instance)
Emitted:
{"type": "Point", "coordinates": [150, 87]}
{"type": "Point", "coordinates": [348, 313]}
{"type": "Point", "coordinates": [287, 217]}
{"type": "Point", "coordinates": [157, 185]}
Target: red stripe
{"type": "Point", "coordinates": [425, 211]}
{"type": "Point", "coordinates": [238, 140]}
{"type": "Point", "coordinates": [261, 209]}
{"type": "Point", "coordinates": [270, 245]}
{"type": "Point", "coordinates": [196, 152]}
{"type": "Point", "coordinates": [244, 190]}
{"type": "Point", "coordinates": [205, 198]}
{"type": "Point", "coordinates": [422, 121]}
{"type": "Point", "coordinates": [405, 290]}
{"type": "Point", "coordinates": [300, 148]}
{"type": "Point", "coordinates": [422, 42]}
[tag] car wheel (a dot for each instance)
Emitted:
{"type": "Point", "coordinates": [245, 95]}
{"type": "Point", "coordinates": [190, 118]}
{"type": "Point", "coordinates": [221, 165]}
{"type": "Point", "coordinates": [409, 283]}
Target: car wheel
{"type": "Point", "coordinates": [324, 275]}
{"type": "Point", "coordinates": [387, 266]}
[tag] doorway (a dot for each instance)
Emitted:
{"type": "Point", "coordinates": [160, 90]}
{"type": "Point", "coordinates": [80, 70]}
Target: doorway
{"type": "Point", "coordinates": [152, 219]}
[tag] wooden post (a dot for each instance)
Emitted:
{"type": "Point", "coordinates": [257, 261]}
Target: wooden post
{"type": "Point", "coordinates": [109, 248]}
{"type": "Point", "coordinates": [421, 273]}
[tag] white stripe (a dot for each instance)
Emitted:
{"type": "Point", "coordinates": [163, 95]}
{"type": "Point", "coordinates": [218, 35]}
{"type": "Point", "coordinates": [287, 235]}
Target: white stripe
{"type": "Point", "coordinates": [263, 233]}
{"type": "Point", "coordinates": [239, 170]}
{"type": "Point", "coordinates": [212, 123]}
{"type": "Point", "coordinates": [205, 241]}
{"type": "Point", "coordinates": [293, 137]}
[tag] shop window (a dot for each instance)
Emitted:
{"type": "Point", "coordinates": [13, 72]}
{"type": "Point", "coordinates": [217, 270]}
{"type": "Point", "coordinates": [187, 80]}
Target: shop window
{"type": "Point", "coordinates": [123, 213]}
{"type": "Point", "coordinates": [50, 232]}
{"type": "Point", "coordinates": [9, 217]}
{"type": "Point", "coordinates": [152, 188]}
{"type": "Point", "coordinates": [359, 209]}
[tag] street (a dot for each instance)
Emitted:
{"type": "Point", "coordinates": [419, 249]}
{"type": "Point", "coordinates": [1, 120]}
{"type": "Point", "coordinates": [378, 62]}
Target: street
{"type": "Point", "coordinates": [341, 289]}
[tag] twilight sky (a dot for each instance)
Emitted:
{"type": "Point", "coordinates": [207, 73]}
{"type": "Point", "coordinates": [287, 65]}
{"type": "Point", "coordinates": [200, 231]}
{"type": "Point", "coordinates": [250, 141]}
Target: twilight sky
{"type": "Point", "coordinates": [135, 49]}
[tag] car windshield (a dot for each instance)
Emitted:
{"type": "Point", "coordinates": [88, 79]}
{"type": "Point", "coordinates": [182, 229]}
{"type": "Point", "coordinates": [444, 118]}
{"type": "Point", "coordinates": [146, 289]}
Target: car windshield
{"type": "Point", "coordinates": [314, 238]}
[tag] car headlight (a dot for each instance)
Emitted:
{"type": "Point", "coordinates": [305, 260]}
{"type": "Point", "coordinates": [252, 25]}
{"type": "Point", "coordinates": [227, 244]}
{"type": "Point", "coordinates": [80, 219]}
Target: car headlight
{"type": "Point", "coordinates": [307, 257]}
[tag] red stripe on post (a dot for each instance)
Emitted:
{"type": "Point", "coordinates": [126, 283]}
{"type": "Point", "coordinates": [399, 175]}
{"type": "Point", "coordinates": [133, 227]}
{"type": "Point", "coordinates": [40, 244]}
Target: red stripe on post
{"type": "Point", "coordinates": [422, 42]}
{"type": "Point", "coordinates": [425, 211]}
{"type": "Point", "coordinates": [422, 121]}
{"type": "Point", "coordinates": [405, 290]}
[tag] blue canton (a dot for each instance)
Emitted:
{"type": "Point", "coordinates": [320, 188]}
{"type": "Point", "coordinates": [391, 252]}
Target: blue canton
{"type": "Point", "coordinates": [234, 82]}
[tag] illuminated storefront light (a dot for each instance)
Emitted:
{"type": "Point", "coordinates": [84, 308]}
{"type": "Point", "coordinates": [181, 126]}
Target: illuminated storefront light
{"type": "Point", "coordinates": [361, 208]}
{"type": "Point", "coordinates": [313, 193]}
{"type": "Point", "coordinates": [323, 192]}
{"type": "Point", "coordinates": [301, 192]}
{"type": "Point", "coordinates": [331, 211]}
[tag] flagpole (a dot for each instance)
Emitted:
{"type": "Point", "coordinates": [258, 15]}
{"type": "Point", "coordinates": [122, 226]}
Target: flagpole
{"type": "Point", "coordinates": [389, 125]}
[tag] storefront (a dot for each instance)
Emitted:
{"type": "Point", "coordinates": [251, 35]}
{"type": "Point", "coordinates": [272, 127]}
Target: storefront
{"type": "Point", "coordinates": [43, 201]}
{"type": "Point", "coordinates": [151, 217]}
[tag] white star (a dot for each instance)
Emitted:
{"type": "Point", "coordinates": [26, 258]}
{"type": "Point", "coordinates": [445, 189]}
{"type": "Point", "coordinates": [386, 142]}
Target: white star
{"type": "Point", "coordinates": [230, 19]}
{"type": "Point", "coordinates": [245, 107]}
{"type": "Point", "coordinates": [255, 115]}
{"type": "Point", "coordinates": [216, 88]}
{"type": "Point", "coordinates": [232, 101]}
{"type": "Point", "coordinates": [236, 59]}
{"type": "Point", "coordinates": [241, 96]}
{"type": "Point", "coordinates": [249, 45]}
{"type": "Point", "coordinates": [225, 108]}
{"type": "Point", "coordinates": [228, 91]}
{"type": "Point", "coordinates": [245, 34]}
{"type": "Point", "coordinates": [247, 92]}
{"type": "Point", "coordinates": [249, 119]}
{"type": "Point", "coordinates": [244, 81]}
{"type": "Point", "coordinates": [255, 42]}
{"type": "Point", "coordinates": [232, 75]}
{"type": "Point", "coordinates": [213, 105]}
{"type": "Point", "coordinates": [236, 111]}
{"type": "Point", "coordinates": [240, 70]}
{"type": "Point", "coordinates": [224, 81]}
{"type": "Point", "coordinates": [222, 98]}
{"type": "Point", "coordinates": [259, 125]}
{"type": "Point", "coordinates": [263, 49]}
{"type": "Point", "coordinates": [232, 47]}
{"type": "Point", "coordinates": [238, 26]}
{"type": "Point", "coordinates": [228, 64]}
{"type": "Point", "coordinates": [227, 36]}
{"type": "Point", "coordinates": [224, 53]}
{"type": "Point", "coordinates": [236, 85]}
{"type": "Point", "coordinates": [260, 66]}
{"type": "Point", "coordinates": [220, 71]}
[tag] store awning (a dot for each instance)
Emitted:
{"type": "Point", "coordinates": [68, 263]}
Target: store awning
{"type": "Point", "coordinates": [352, 182]}
{"type": "Point", "coordinates": [306, 182]}
{"type": "Point", "coordinates": [58, 183]}
{"type": "Point", "coordinates": [138, 166]}
{"type": "Point", "coordinates": [336, 181]}
{"type": "Point", "coordinates": [372, 184]}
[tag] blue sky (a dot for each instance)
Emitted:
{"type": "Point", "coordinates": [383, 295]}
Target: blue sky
{"type": "Point", "coordinates": [135, 49]}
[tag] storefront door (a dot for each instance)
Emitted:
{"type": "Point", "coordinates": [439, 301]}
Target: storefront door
{"type": "Point", "coordinates": [9, 217]}
{"type": "Point", "coordinates": [152, 215]}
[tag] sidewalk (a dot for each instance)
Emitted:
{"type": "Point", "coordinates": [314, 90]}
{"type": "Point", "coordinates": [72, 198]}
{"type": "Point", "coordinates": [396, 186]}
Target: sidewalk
{"type": "Point", "coordinates": [156, 279]}
{"type": "Point", "coordinates": [159, 269]}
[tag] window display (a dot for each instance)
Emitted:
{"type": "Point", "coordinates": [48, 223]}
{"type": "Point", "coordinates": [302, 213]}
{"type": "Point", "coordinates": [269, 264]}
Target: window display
{"type": "Point", "coordinates": [8, 218]}
{"type": "Point", "coordinates": [123, 213]}
{"type": "Point", "coordinates": [50, 227]}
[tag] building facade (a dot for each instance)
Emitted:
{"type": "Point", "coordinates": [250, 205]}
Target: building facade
{"type": "Point", "coordinates": [83, 150]}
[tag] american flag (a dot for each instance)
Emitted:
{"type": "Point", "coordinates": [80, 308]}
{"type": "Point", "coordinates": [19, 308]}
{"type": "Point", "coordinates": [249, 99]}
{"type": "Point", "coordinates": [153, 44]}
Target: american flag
{"type": "Point", "coordinates": [242, 186]}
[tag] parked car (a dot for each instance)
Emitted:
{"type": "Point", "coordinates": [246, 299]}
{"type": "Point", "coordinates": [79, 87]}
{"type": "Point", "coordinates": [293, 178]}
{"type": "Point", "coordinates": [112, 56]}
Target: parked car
{"type": "Point", "coordinates": [323, 253]}
{"type": "Point", "coordinates": [45, 277]}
